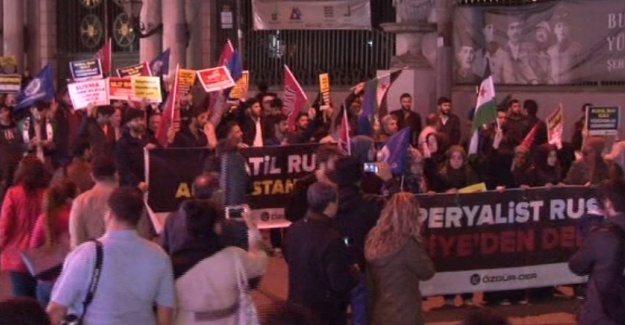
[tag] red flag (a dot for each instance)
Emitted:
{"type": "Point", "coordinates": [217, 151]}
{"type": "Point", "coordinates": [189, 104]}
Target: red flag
{"type": "Point", "coordinates": [344, 140]}
{"type": "Point", "coordinates": [294, 97]}
{"type": "Point", "coordinates": [171, 115]}
{"type": "Point", "coordinates": [105, 54]}
{"type": "Point", "coordinates": [226, 54]}
{"type": "Point", "coordinates": [529, 138]}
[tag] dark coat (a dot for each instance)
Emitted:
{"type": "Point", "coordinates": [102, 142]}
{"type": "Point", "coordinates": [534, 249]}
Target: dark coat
{"type": "Point", "coordinates": [451, 129]}
{"type": "Point", "coordinates": [319, 270]}
{"type": "Point", "coordinates": [129, 159]}
{"type": "Point", "coordinates": [393, 283]}
{"type": "Point", "coordinates": [413, 120]}
{"type": "Point", "coordinates": [357, 214]}
{"type": "Point", "coordinates": [297, 202]}
{"type": "Point", "coordinates": [602, 257]}
{"type": "Point", "coordinates": [248, 126]}
{"type": "Point", "coordinates": [102, 145]}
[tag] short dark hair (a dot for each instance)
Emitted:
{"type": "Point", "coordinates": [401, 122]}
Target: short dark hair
{"type": "Point", "coordinates": [106, 110]}
{"type": "Point", "coordinates": [201, 217]}
{"type": "Point", "coordinates": [40, 105]}
{"type": "Point", "coordinates": [320, 195]}
{"type": "Point", "coordinates": [326, 152]}
{"type": "Point", "coordinates": [443, 100]}
{"type": "Point", "coordinates": [280, 117]}
{"type": "Point", "coordinates": [431, 119]}
{"type": "Point", "coordinates": [126, 204]}
{"type": "Point", "coordinates": [512, 102]}
{"type": "Point", "coordinates": [531, 107]}
{"type": "Point", "coordinates": [404, 95]}
{"type": "Point", "coordinates": [103, 168]}
{"type": "Point", "coordinates": [205, 185]}
{"type": "Point", "coordinates": [31, 174]}
{"type": "Point", "coordinates": [613, 190]}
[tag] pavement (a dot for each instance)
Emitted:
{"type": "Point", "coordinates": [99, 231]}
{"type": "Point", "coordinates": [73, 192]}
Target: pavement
{"type": "Point", "coordinates": [274, 288]}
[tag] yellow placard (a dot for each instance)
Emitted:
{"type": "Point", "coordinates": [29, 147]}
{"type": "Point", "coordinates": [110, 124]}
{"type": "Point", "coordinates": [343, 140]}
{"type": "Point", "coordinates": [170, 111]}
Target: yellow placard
{"type": "Point", "coordinates": [146, 88]}
{"type": "Point", "coordinates": [186, 79]}
{"type": "Point", "coordinates": [475, 188]}
{"type": "Point", "coordinates": [324, 87]}
{"type": "Point", "coordinates": [240, 89]}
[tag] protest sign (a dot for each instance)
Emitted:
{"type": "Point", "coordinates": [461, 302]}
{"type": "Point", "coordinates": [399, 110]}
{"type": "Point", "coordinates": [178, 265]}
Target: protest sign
{"type": "Point", "coordinates": [242, 85]}
{"type": "Point", "coordinates": [120, 88]}
{"type": "Point", "coordinates": [142, 69]}
{"type": "Point", "coordinates": [215, 79]}
{"type": "Point", "coordinates": [89, 92]}
{"type": "Point", "coordinates": [8, 64]}
{"type": "Point", "coordinates": [602, 120]}
{"type": "Point", "coordinates": [10, 83]}
{"type": "Point", "coordinates": [146, 88]}
{"type": "Point", "coordinates": [186, 79]}
{"type": "Point", "coordinates": [85, 69]}
{"type": "Point", "coordinates": [324, 88]}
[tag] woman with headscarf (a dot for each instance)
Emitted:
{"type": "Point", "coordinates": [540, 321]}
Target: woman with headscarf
{"type": "Point", "coordinates": [592, 169]}
{"type": "Point", "coordinates": [456, 171]}
{"type": "Point", "coordinates": [396, 262]}
{"type": "Point", "coordinates": [547, 169]}
{"type": "Point", "coordinates": [522, 171]}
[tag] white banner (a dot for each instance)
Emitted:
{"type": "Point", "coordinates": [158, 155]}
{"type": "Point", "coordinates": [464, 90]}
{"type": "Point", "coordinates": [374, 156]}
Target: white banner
{"type": "Point", "coordinates": [89, 92]}
{"type": "Point", "coordinates": [534, 276]}
{"type": "Point", "coordinates": [329, 14]}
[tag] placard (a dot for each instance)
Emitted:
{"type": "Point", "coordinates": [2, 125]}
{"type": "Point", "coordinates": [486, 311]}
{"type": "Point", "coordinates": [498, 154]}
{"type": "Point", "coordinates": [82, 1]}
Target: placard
{"type": "Point", "coordinates": [242, 85]}
{"type": "Point", "coordinates": [85, 69]}
{"type": "Point", "coordinates": [324, 88]}
{"type": "Point", "coordinates": [89, 92]}
{"type": "Point", "coordinates": [186, 79]}
{"type": "Point", "coordinates": [10, 83]}
{"type": "Point", "coordinates": [120, 88]}
{"type": "Point", "coordinates": [602, 120]}
{"type": "Point", "coordinates": [215, 79]}
{"type": "Point", "coordinates": [146, 88]}
{"type": "Point", "coordinates": [142, 69]}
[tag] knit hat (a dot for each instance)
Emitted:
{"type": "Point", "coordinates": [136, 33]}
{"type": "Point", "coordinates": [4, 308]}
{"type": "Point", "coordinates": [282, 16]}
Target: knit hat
{"type": "Point", "coordinates": [131, 114]}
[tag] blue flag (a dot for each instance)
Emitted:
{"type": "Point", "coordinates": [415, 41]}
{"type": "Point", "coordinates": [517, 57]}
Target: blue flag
{"type": "Point", "coordinates": [40, 88]}
{"type": "Point", "coordinates": [368, 109]}
{"type": "Point", "coordinates": [394, 151]}
{"type": "Point", "coordinates": [160, 65]}
{"type": "Point", "coordinates": [235, 66]}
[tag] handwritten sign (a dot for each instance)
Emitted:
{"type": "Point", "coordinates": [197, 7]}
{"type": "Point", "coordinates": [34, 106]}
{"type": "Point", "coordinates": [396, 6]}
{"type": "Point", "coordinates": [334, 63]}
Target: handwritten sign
{"type": "Point", "coordinates": [602, 120]}
{"type": "Point", "coordinates": [215, 79]}
{"type": "Point", "coordinates": [86, 69]}
{"type": "Point", "coordinates": [324, 88]}
{"type": "Point", "coordinates": [120, 88]}
{"type": "Point", "coordinates": [240, 90]}
{"type": "Point", "coordinates": [86, 92]}
{"type": "Point", "coordinates": [146, 88]}
{"type": "Point", "coordinates": [142, 69]}
{"type": "Point", "coordinates": [186, 79]}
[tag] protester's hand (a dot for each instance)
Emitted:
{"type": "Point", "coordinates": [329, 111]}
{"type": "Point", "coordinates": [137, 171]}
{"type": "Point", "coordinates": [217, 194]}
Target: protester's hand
{"type": "Point", "coordinates": [143, 186]}
{"type": "Point", "coordinates": [358, 88]}
{"type": "Point", "coordinates": [588, 184]}
{"type": "Point", "coordinates": [384, 171]}
{"type": "Point", "coordinates": [171, 135]}
{"type": "Point", "coordinates": [524, 186]}
{"type": "Point", "coordinates": [500, 189]}
{"type": "Point", "coordinates": [312, 113]}
{"type": "Point", "coordinates": [498, 138]}
{"type": "Point", "coordinates": [150, 146]}
{"type": "Point", "coordinates": [34, 142]}
{"type": "Point", "coordinates": [426, 150]}
{"type": "Point", "coordinates": [247, 217]}
{"type": "Point", "coordinates": [49, 144]}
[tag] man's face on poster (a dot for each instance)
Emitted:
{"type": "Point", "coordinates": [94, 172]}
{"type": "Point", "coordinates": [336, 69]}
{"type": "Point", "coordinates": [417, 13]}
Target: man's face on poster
{"type": "Point", "coordinates": [561, 30]}
{"type": "Point", "coordinates": [514, 31]}
{"type": "Point", "coordinates": [489, 33]}
{"type": "Point", "coordinates": [465, 56]}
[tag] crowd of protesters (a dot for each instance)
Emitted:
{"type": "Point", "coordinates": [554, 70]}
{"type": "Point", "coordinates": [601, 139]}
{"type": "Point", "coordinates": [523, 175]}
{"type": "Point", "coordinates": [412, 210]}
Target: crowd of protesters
{"type": "Point", "coordinates": [72, 176]}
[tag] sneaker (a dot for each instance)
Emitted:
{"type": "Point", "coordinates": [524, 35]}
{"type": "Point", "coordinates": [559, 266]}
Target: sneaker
{"type": "Point", "coordinates": [504, 302]}
{"type": "Point", "coordinates": [468, 302]}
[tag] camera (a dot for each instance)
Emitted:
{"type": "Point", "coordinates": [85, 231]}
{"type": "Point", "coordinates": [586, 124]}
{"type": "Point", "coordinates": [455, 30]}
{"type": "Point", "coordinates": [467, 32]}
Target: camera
{"type": "Point", "coordinates": [370, 167]}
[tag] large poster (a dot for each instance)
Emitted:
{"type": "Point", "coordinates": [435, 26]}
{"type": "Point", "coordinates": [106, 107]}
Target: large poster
{"type": "Point", "coordinates": [306, 14]}
{"type": "Point", "coordinates": [555, 43]}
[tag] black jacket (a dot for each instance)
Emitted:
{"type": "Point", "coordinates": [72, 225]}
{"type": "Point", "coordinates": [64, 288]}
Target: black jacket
{"type": "Point", "coordinates": [297, 202]}
{"type": "Point", "coordinates": [451, 129]}
{"type": "Point", "coordinates": [602, 257]}
{"type": "Point", "coordinates": [319, 271]}
{"type": "Point", "coordinates": [413, 120]}
{"type": "Point", "coordinates": [129, 158]}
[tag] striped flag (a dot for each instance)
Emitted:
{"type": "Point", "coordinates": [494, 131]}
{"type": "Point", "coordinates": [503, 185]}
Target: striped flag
{"type": "Point", "coordinates": [485, 110]}
{"type": "Point", "coordinates": [374, 102]}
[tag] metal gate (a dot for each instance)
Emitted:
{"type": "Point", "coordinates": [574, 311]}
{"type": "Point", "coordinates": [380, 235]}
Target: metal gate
{"type": "Point", "coordinates": [350, 56]}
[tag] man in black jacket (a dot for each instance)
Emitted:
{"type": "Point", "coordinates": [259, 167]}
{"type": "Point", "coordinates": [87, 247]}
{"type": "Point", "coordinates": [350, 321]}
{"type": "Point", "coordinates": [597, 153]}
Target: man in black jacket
{"type": "Point", "coordinates": [602, 257]}
{"type": "Point", "coordinates": [449, 123]}
{"type": "Point", "coordinates": [320, 276]}
{"type": "Point", "coordinates": [406, 117]}
{"type": "Point", "coordinates": [129, 155]}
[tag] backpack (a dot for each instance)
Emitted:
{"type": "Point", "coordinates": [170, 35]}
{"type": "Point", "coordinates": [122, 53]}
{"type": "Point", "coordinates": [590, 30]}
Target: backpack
{"type": "Point", "coordinates": [613, 302]}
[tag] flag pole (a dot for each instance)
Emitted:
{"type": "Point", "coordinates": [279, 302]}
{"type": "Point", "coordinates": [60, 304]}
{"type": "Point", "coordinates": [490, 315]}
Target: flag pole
{"type": "Point", "coordinates": [382, 76]}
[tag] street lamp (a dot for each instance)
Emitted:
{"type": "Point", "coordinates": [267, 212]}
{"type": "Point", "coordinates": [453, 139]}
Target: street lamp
{"type": "Point", "coordinates": [132, 9]}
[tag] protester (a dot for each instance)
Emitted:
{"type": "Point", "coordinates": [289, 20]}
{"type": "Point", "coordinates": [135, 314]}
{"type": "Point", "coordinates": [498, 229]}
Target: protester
{"type": "Point", "coordinates": [406, 117]}
{"type": "Point", "coordinates": [448, 122]}
{"type": "Point", "coordinates": [135, 274]}
{"type": "Point", "coordinates": [396, 262]}
{"type": "Point", "coordinates": [320, 276]}
{"type": "Point", "coordinates": [129, 150]}
{"type": "Point", "coordinates": [96, 129]}
{"type": "Point", "coordinates": [78, 170]}
{"type": "Point", "coordinates": [11, 148]}
{"type": "Point", "coordinates": [21, 207]}
{"type": "Point", "coordinates": [592, 169]}
{"type": "Point", "coordinates": [192, 134]}
{"type": "Point", "coordinates": [602, 258]}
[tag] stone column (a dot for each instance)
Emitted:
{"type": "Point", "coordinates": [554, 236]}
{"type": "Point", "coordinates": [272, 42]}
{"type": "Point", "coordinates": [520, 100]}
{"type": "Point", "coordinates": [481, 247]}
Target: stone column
{"type": "Point", "coordinates": [13, 30]}
{"type": "Point", "coordinates": [445, 55]}
{"type": "Point", "coordinates": [41, 27]}
{"type": "Point", "coordinates": [150, 47]}
{"type": "Point", "coordinates": [194, 20]}
{"type": "Point", "coordinates": [418, 78]}
{"type": "Point", "coordinates": [175, 32]}
{"type": "Point", "coordinates": [209, 8]}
